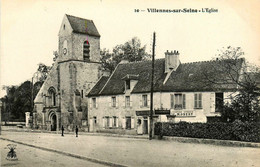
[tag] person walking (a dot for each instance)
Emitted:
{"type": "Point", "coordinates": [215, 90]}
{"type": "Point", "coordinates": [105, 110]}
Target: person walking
{"type": "Point", "coordinates": [77, 130]}
{"type": "Point", "coordinates": [62, 130]}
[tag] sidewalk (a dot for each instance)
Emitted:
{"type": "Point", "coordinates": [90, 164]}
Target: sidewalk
{"type": "Point", "coordinates": [169, 138]}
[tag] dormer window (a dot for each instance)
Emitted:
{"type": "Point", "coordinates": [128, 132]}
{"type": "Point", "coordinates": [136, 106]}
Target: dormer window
{"type": "Point", "coordinates": [127, 84]}
{"type": "Point", "coordinates": [130, 81]}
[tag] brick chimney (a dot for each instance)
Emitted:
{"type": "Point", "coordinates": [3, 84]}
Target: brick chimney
{"type": "Point", "coordinates": [171, 60]}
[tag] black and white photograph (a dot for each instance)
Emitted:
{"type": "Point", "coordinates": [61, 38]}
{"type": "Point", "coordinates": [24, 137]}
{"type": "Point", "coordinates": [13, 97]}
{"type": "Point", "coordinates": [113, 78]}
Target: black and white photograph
{"type": "Point", "coordinates": [129, 83]}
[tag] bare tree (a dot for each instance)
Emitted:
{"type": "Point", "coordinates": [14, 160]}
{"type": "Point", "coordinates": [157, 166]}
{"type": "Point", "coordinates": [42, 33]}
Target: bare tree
{"type": "Point", "coordinates": [230, 70]}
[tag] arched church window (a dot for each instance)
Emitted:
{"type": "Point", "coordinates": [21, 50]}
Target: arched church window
{"type": "Point", "coordinates": [86, 50]}
{"type": "Point", "coordinates": [52, 97]}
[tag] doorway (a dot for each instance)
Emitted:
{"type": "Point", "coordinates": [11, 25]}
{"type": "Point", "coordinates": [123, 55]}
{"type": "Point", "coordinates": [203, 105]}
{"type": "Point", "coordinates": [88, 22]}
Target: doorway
{"type": "Point", "coordinates": [53, 122]}
{"type": "Point", "coordinates": [145, 126]}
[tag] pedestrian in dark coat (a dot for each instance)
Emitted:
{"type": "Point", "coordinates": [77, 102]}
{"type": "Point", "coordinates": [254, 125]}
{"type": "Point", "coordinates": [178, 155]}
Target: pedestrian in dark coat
{"type": "Point", "coordinates": [62, 130]}
{"type": "Point", "coordinates": [77, 130]}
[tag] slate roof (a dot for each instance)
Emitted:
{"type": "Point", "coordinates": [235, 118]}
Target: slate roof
{"type": "Point", "coordinates": [189, 77]}
{"type": "Point", "coordinates": [79, 26]}
{"type": "Point", "coordinates": [99, 85]}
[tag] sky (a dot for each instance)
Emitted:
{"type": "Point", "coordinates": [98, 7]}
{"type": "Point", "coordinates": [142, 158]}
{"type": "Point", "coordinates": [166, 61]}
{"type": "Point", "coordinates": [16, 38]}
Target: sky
{"type": "Point", "coordinates": [29, 29]}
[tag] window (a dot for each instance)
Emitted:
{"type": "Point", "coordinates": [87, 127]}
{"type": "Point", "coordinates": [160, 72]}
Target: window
{"type": "Point", "coordinates": [86, 51]}
{"type": "Point", "coordinates": [198, 100]}
{"type": "Point", "coordinates": [144, 101]}
{"type": "Point", "coordinates": [178, 101]}
{"type": "Point", "coordinates": [82, 94]}
{"type": "Point", "coordinates": [64, 27]}
{"type": "Point", "coordinates": [219, 102]}
{"type": "Point", "coordinates": [114, 121]}
{"type": "Point", "coordinates": [128, 123]}
{"type": "Point", "coordinates": [107, 122]}
{"type": "Point", "coordinates": [127, 84]}
{"type": "Point", "coordinates": [127, 101]}
{"type": "Point", "coordinates": [113, 101]}
{"type": "Point", "coordinates": [94, 102]}
{"type": "Point", "coordinates": [52, 97]}
{"type": "Point", "coordinates": [95, 120]}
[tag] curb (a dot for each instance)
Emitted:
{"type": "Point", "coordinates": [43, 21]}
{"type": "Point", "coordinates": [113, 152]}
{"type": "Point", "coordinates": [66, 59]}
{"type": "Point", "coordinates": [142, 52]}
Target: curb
{"type": "Point", "coordinates": [209, 141]}
{"type": "Point", "coordinates": [84, 133]}
{"type": "Point", "coordinates": [68, 154]}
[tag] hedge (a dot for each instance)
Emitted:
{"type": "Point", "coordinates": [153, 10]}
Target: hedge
{"type": "Point", "coordinates": [237, 130]}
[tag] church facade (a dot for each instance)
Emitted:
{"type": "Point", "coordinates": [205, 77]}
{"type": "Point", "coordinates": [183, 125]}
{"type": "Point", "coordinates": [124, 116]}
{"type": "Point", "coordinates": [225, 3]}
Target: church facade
{"type": "Point", "coordinates": [61, 99]}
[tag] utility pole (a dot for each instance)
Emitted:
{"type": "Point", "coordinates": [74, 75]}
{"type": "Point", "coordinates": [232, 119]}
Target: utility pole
{"type": "Point", "coordinates": [151, 104]}
{"type": "Point", "coordinates": [32, 101]}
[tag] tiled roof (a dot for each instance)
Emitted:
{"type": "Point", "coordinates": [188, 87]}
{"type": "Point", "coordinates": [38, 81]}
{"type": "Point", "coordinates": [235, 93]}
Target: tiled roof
{"type": "Point", "coordinates": [187, 77]}
{"type": "Point", "coordinates": [79, 26]}
{"type": "Point", "coordinates": [99, 85]}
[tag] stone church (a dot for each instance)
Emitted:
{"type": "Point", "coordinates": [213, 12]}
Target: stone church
{"type": "Point", "coordinates": [62, 98]}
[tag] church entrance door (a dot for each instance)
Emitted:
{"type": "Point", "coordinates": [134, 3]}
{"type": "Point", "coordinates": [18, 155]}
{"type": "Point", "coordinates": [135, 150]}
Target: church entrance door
{"type": "Point", "coordinates": [53, 122]}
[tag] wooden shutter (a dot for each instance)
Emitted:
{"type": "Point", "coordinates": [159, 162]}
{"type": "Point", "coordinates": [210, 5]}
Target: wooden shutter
{"type": "Point", "coordinates": [200, 100]}
{"type": "Point", "coordinates": [90, 103]}
{"type": "Point", "coordinates": [110, 102]}
{"type": "Point", "coordinates": [132, 122]}
{"type": "Point", "coordinates": [117, 122]}
{"type": "Point", "coordinates": [124, 102]}
{"type": "Point", "coordinates": [141, 100]}
{"type": "Point", "coordinates": [212, 102]}
{"type": "Point", "coordinates": [110, 122]}
{"type": "Point", "coordinates": [195, 101]}
{"type": "Point", "coordinates": [96, 102]}
{"type": "Point", "coordinates": [131, 102]}
{"type": "Point", "coordinates": [172, 101]}
{"type": "Point", "coordinates": [117, 102]}
{"type": "Point", "coordinates": [148, 100]}
{"type": "Point", "coordinates": [104, 123]}
{"type": "Point", "coordinates": [183, 101]}
{"type": "Point", "coordinates": [123, 122]}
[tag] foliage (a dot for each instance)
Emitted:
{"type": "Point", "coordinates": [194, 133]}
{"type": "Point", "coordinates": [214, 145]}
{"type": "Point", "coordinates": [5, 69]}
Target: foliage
{"type": "Point", "coordinates": [237, 130]}
{"type": "Point", "coordinates": [130, 50]}
{"type": "Point", "coordinates": [234, 70]}
{"type": "Point", "coordinates": [42, 72]}
{"type": "Point", "coordinates": [18, 99]}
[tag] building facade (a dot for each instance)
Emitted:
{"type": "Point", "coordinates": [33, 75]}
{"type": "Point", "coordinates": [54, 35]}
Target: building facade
{"type": "Point", "coordinates": [61, 99]}
{"type": "Point", "coordinates": [121, 103]}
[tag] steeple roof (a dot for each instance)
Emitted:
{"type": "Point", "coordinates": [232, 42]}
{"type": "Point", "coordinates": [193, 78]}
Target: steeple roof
{"type": "Point", "coordinates": [83, 26]}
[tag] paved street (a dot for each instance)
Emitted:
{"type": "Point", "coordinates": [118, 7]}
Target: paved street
{"type": "Point", "coordinates": [32, 157]}
{"type": "Point", "coordinates": [131, 152]}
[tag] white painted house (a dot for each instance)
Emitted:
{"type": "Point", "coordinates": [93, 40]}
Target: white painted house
{"type": "Point", "coordinates": [121, 103]}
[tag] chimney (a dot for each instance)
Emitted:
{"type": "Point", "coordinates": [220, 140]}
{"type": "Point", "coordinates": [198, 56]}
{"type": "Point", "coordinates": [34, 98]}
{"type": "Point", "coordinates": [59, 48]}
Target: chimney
{"type": "Point", "coordinates": [171, 60]}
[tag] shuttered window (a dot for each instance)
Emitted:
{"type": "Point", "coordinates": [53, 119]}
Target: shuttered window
{"type": "Point", "coordinates": [127, 101]}
{"type": "Point", "coordinates": [198, 100]}
{"type": "Point", "coordinates": [113, 101]}
{"type": "Point", "coordinates": [128, 122]}
{"type": "Point", "coordinates": [144, 101]}
{"type": "Point", "coordinates": [178, 101]}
